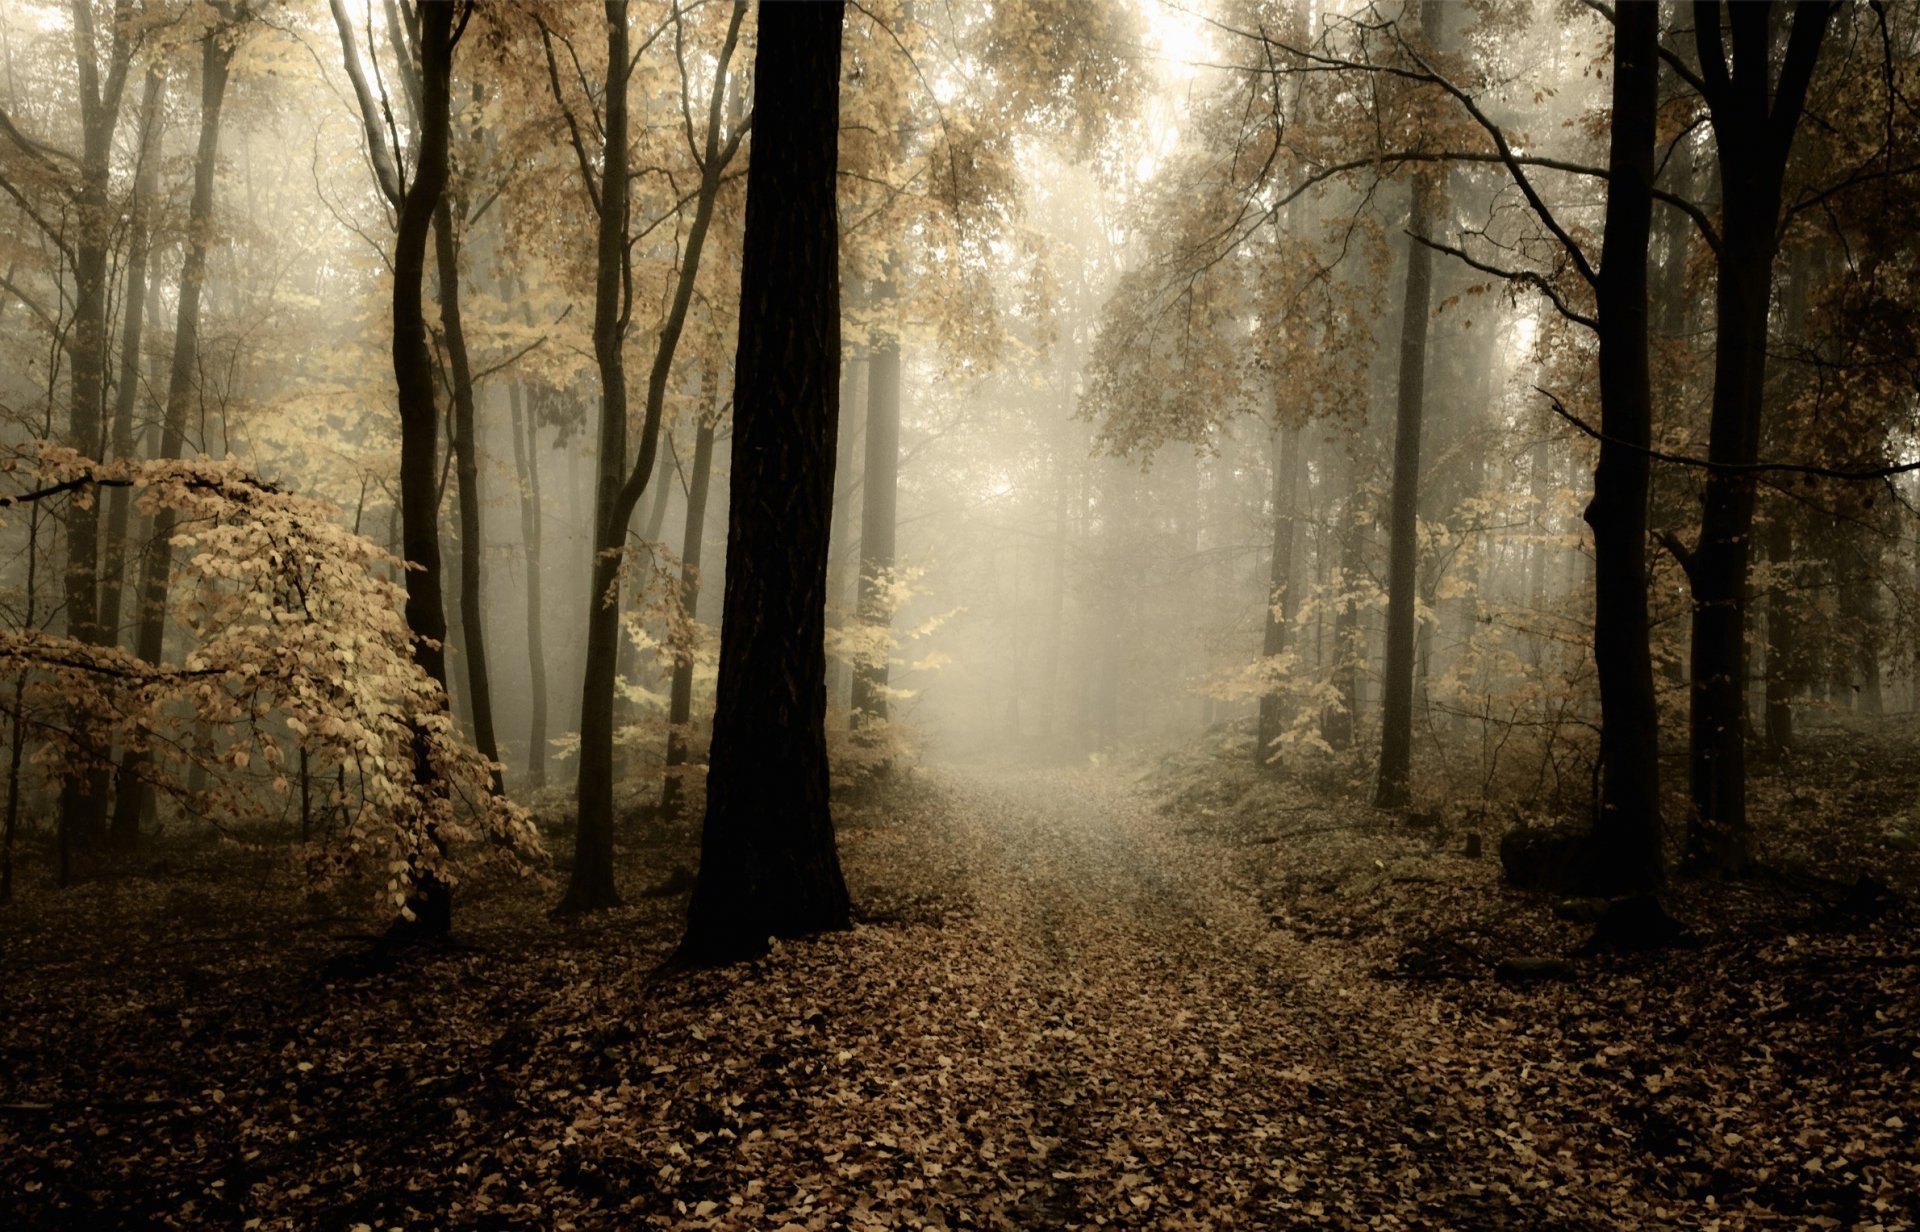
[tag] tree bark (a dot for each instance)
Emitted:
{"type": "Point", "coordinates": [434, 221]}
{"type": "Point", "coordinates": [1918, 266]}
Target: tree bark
{"type": "Point", "coordinates": [1627, 831]}
{"type": "Point", "coordinates": [1396, 709]}
{"type": "Point", "coordinates": [768, 863]}
{"type": "Point", "coordinates": [156, 573]}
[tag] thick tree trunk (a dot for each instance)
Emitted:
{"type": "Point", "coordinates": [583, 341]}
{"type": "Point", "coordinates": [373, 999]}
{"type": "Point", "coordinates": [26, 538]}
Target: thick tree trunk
{"type": "Point", "coordinates": [466, 470]}
{"type": "Point", "coordinates": [526, 461]}
{"type": "Point", "coordinates": [680, 700]}
{"type": "Point", "coordinates": [1282, 602]}
{"type": "Point", "coordinates": [768, 864]}
{"type": "Point", "coordinates": [1627, 831]}
{"type": "Point", "coordinates": [156, 571]}
{"type": "Point", "coordinates": [1396, 711]}
{"type": "Point", "coordinates": [879, 501]}
{"type": "Point", "coordinates": [119, 501]}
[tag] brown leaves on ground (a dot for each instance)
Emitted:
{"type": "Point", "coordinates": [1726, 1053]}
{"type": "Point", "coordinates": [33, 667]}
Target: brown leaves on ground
{"type": "Point", "coordinates": [1067, 1008]}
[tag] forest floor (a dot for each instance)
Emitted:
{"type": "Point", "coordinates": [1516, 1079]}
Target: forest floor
{"type": "Point", "coordinates": [1192, 998]}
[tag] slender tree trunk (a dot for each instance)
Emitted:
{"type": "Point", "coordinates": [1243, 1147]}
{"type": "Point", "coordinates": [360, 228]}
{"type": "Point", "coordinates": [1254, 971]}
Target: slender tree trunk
{"type": "Point", "coordinates": [1396, 714]}
{"type": "Point", "coordinates": [466, 470]}
{"type": "Point", "coordinates": [526, 461]}
{"type": "Point", "coordinates": [156, 572]}
{"type": "Point", "coordinates": [139, 247]}
{"type": "Point", "coordinates": [431, 904]}
{"type": "Point", "coordinates": [590, 885]}
{"type": "Point", "coordinates": [16, 738]}
{"type": "Point", "coordinates": [83, 797]}
{"type": "Point", "coordinates": [1753, 135]}
{"type": "Point", "coordinates": [879, 501]}
{"type": "Point", "coordinates": [1627, 831]}
{"type": "Point", "coordinates": [1281, 601]}
{"type": "Point", "coordinates": [680, 701]}
{"type": "Point", "coordinates": [768, 864]}
{"type": "Point", "coordinates": [1339, 723]}
{"type": "Point", "coordinates": [844, 568]}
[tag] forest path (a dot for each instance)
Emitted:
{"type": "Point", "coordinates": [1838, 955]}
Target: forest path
{"type": "Point", "coordinates": [1178, 1061]}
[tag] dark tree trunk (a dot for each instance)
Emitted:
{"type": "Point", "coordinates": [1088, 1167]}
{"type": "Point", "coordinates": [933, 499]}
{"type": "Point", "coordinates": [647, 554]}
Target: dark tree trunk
{"type": "Point", "coordinates": [1627, 829]}
{"type": "Point", "coordinates": [83, 797]}
{"type": "Point", "coordinates": [432, 901]}
{"type": "Point", "coordinates": [680, 699]}
{"type": "Point", "coordinates": [1396, 703]}
{"type": "Point", "coordinates": [879, 501]}
{"type": "Point", "coordinates": [526, 460]}
{"type": "Point", "coordinates": [1282, 602]}
{"type": "Point", "coordinates": [119, 501]}
{"type": "Point", "coordinates": [1753, 132]}
{"type": "Point", "coordinates": [466, 470]}
{"type": "Point", "coordinates": [768, 863]}
{"type": "Point", "coordinates": [590, 885]}
{"type": "Point", "coordinates": [156, 571]}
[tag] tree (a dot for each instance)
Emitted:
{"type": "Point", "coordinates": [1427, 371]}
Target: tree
{"type": "Point", "coordinates": [156, 570]}
{"type": "Point", "coordinates": [621, 483]}
{"type": "Point", "coordinates": [1626, 830]}
{"type": "Point", "coordinates": [1754, 117]}
{"type": "Point", "coordinates": [768, 862]}
{"type": "Point", "coordinates": [680, 691]}
{"type": "Point", "coordinates": [429, 913]}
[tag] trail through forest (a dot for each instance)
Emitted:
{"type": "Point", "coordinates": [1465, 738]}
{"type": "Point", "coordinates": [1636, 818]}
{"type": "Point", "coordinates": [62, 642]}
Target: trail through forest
{"type": "Point", "coordinates": [1073, 1000]}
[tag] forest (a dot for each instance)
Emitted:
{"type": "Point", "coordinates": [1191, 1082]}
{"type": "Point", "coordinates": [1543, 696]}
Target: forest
{"type": "Point", "coordinates": [994, 614]}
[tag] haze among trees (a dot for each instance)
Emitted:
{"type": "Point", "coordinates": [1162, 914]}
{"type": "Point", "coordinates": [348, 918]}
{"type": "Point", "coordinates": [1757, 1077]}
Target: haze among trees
{"type": "Point", "coordinates": [1009, 614]}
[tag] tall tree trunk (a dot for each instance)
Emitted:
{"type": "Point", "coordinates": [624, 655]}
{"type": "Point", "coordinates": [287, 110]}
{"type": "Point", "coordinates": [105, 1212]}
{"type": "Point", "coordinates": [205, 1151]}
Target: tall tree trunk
{"type": "Point", "coordinates": [590, 885]}
{"type": "Point", "coordinates": [216, 55]}
{"type": "Point", "coordinates": [680, 700]}
{"type": "Point", "coordinates": [879, 502]}
{"type": "Point", "coordinates": [120, 435]}
{"type": "Point", "coordinates": [526, 461]}
{"type": "Point", "coordinates": [466, 470]}
{"type": "Point", "coordinates": [1282, 602]}
{"type": "Point", "coordinates": [431, 904]}
{"type": "Point", "coordinates": [83, 796]}
{"type": "Point", "coordinates": [768, 864]}
{"type": "Point", "coordinates": [1627, 830]}
{"type": "Point", "coordinates": [1396, 712]}
{"type": "Point", "coordinates": [1753, 134]}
